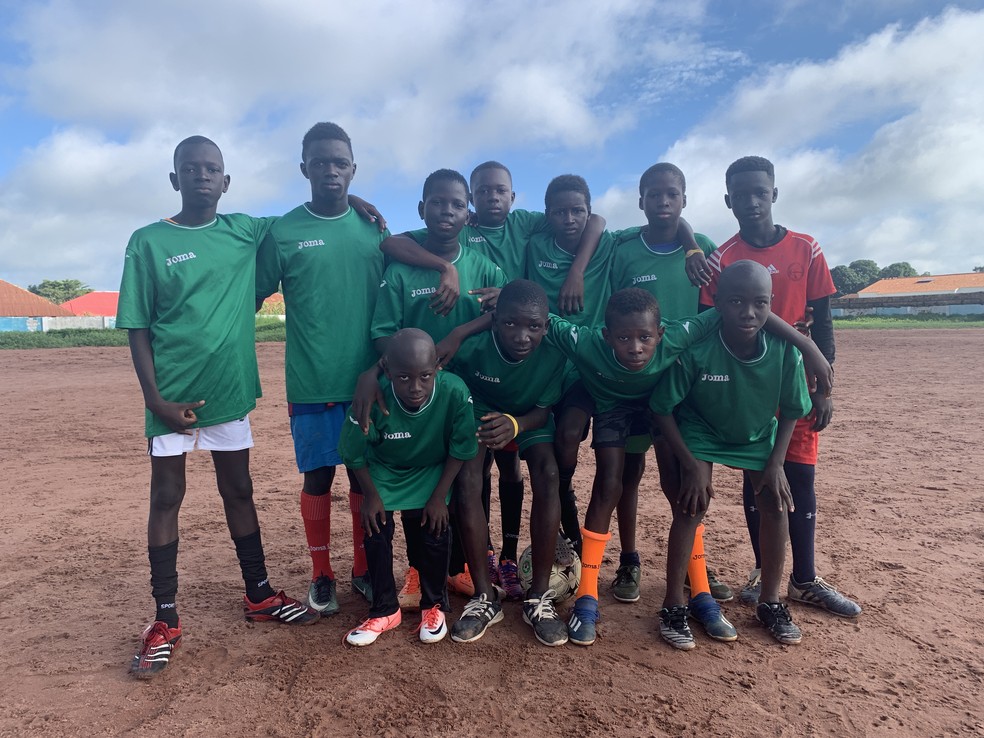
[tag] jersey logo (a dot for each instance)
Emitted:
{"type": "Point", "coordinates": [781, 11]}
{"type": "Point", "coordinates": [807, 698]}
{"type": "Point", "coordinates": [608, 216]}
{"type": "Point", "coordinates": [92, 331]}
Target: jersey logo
{"type": "Point", "coordinates": [772, 269]}
{"type": "Point", "coordinates": [574, 333]}
{"type": "Point", "coordinates": [397, 436]}
{"type": "Point", "coordinates": [382, 284]}
{"type": "Point", "coordinates": [715, 378]}
{"type": "Point", "coordinates": [548, 265]}
{"type": "Point", "coordinates": [795, 272]}
{"type": "Point", "coordinates": [422, 291]}
{"type": "Point", "coordinates": [484, 378]}
{"type": "Point", "coordinates": [643, 278]}
{"type": "Point", "coordinates": [309, 244]}
{"type": "Point", "coordinates": [179, 258]}
{"type": "Point", "coordinates": [476, 239]}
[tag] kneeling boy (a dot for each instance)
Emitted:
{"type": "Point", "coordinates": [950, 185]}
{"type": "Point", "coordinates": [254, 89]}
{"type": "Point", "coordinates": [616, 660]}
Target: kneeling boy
{"type": "Point", "coordinates": [728, 387]}
{"type": "Point", "coordinates": [407, 462]}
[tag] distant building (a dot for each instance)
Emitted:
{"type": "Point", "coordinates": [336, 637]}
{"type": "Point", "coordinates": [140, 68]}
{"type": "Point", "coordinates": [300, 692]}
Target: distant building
{"type": "Point", "coordinates": [94, 303]}
{"type": "Point", "coordinates": [936, 284]}
{"type": "Point", "coordinates": [21, 310]}
{"type": "Point", "coordinates": [942, 294]}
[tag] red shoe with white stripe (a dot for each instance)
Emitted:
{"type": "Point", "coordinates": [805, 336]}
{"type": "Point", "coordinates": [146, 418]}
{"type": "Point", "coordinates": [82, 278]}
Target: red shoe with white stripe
{"type": "Point", "coordinates": [157, 649]}
{"type": "Point", "coordinates": [281, 609]}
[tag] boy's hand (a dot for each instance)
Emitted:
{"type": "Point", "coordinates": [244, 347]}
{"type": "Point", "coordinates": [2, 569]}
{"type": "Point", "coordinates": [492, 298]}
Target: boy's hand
{"type": "Point", "coordinates": [496, 431]}
{"type": "Point", "coordinates": [367, 393]}
{"type": "Point", "coordinates": [803, 326]}
{"type": "Point", "coordinates": [447, 347]}
{"type": "Point", "coordinates": [435, 516]}
{"type": "Point", "coordinates": [448, 291]}
{"type": "Point", "coordinates": [823, 409]}
{"type": "Point", "coordinates": [774, 477]}
{"type": "Point", "coordinates": [696, 489]}
{"type": "Point", "coordinates": [698, 272]}
{"type": "Point", "coordinates": [367, 211]}
{"type": "Point", "coordinates": [487, 296]}
{"type": "Point", "coordinates": [571, 297]}
{"type": "Point", "coordinates": [178, 416]}
{"type": "Point", "coordinates": [372, 513]}
{"type": "Point", "coordinates": [819, 373]}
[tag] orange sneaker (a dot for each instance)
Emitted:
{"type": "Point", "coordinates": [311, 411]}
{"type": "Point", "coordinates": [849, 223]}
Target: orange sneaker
{"type": "Point", "coordinates": [462, 584]}
{"type": "Point", "coordinates": [409, 596]}
{"type": "Point", "coordinates": [367, 633]}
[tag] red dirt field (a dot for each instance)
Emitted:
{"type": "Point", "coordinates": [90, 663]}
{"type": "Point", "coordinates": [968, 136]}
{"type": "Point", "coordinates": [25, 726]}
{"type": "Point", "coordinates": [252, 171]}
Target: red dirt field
{"type": "Point", "coordinates": [901, 491]}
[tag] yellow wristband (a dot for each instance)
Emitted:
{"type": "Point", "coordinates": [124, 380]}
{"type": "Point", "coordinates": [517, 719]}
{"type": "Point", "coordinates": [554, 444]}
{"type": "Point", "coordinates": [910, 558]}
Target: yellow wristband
{"type": "Point", "coordinates": [515, 424]}
{"type": "Point", "coordinates": [694, 250]}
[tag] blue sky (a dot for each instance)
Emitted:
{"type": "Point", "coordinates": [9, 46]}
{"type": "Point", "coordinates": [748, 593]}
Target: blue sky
{"type": "Point", "coordinates": [871, 111]}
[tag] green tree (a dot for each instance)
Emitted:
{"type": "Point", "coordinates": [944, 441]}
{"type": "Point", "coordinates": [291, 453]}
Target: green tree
{"type": "Point", "coordinates": [846, 280]}
{"type": "Point", "coordinates": [867, 271]}
{"type": "Point", "coordinates": [898, 269]}
{"type": "Point", "coordinates": [59, 290]}
{"type": "Point", "coordinates": [979, 269]}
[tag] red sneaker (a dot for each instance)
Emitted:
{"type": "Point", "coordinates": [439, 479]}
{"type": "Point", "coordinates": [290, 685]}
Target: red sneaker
{"type": "Point", "coordinates": [157, 649]}
{"type": "Point", "coordinates": [280, 608]}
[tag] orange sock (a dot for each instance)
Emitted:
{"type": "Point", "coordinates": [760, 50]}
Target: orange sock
{"type": "Point", "coordinates": [359, 564]}
{"type": "Point", "coordinates": [592, 551]}
{"type": "Point", "coordinates": [697, 568]}
{"type": "Point", "coordinates": [316, 513]}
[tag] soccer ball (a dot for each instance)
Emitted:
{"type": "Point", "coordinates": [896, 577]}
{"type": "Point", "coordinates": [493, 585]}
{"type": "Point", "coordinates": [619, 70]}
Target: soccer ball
{"type": "Point", "coordinates": [564, 579]}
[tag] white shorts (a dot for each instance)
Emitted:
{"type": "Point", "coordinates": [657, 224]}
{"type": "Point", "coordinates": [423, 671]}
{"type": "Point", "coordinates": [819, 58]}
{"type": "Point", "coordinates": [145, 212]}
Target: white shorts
{"type": "Point", "coordinates": [234, 435]}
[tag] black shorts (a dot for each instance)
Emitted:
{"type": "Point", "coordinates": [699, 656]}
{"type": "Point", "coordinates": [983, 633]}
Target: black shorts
{"type": "Point", "coordinates": [613, 428]}
{"type": "Point", "coordinates": [577, 398]}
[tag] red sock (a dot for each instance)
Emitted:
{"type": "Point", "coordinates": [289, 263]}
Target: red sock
{"type": "Point", "coordinates": [359, 564]}
{"type": "Point", "coordinates": [316, 513]}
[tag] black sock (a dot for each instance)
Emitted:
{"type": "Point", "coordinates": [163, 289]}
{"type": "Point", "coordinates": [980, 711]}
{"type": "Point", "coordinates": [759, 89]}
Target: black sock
{"type": "Point", "coordinates": [164, 581]}
{"type": "Point", "coordinates": [568, 508]}
{"type": "Point", "coordinates": [750, 502]}
{"type": "Point", "coordinates": [511, 504]}
{"type": "Point", "coordinates": [803, 520]}
{"type": "Point", "coordinates": [629, 558]}
{"type": "Point", "coordinates": [249, 550]}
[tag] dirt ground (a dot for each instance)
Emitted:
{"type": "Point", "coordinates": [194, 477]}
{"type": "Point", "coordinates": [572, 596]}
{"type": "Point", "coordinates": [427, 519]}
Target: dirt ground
{"type": "Point", "coordinates": [901, 491]}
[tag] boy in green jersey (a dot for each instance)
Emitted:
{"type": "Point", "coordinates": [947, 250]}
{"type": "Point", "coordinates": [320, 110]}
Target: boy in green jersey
{"type": "Point", "coordinates": [726, 389]}
{"type": "Point", "coordinates": [620, 365]}
{"type": "Point", "coordinates": [514, 380]}
{"type": "Point", "coordinates": [407, 462]}
{"type": "Point", "coordinates": [328, 261]}
{"type": "Point", "coordinates": [187, 299]}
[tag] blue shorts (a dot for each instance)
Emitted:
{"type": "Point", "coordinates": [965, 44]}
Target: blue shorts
{"type": "Point", "coordinates": [316, 429]}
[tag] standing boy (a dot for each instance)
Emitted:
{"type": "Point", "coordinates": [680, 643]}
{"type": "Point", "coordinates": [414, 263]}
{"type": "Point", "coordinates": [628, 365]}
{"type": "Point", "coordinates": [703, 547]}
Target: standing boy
{"type": "Point", "coordinates": [407, 462]}
{"type": "Point", "coordinates": [187, 299]}
{"type": "Point", "coordinates": [728, 387]}
{"type": "Point", "coordinates": [800, 280]}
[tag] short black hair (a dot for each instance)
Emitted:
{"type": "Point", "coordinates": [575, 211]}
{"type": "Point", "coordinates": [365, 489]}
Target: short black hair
{"type": "Point", "coordinates": [444, 175]}
{"type": "Point", "coordinates": [490, 165]}
{"type": "Point", "coordinates": [629, 301]}
{"type": "Point", "coordinates": [523, 293]}
{"type": "Point", "coordinates": [566, 183]}
{"type": "Point", "coordinates": [750, 164]}
{"type": "Point", "coordinates": [191, 140]}
{"type": "Point", "coordinates": [662, 167]}
{"type": "Point", "coordinates": [325, 132]}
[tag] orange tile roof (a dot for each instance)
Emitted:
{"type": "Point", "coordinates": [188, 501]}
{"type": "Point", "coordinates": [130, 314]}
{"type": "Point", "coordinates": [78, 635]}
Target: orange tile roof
{"type": "Point", "coordinates": [929, 285]}
{"type": "Point", "coordinates": [17, 302]}
{"type": "Point", "coordinates": [94, 303]}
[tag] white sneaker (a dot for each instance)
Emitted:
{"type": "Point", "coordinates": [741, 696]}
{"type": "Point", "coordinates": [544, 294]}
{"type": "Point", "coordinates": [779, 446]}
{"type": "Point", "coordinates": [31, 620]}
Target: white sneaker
{"type": "Point", "coordinates": [367, 633]}
{"type": "Point", "coordinates": [433, 625]}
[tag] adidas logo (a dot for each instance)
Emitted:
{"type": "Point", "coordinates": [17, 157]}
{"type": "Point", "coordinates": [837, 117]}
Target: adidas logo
{"type": "Point", "coordinates": [772, 269]}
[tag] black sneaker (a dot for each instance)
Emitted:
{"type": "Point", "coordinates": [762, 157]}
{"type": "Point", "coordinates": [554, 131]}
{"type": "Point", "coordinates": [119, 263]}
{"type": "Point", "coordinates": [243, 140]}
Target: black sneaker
{"type": "Point", "coordinates": [821, 594]}
{"type": "Point", "coordinates": [776, 618]}
{"type": "Point", "coordinates": [322, 596]}
{"type": "Point", "coordinates": [478, 615]}
{"type": "Point", "coordinates": [674, 629]}
{"type": "Point", "coordinates": [540, 614]}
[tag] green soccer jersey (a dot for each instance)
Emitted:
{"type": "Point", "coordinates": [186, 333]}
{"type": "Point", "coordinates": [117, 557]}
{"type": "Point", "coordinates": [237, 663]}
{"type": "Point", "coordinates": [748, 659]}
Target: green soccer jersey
{"type": "Point", "coordinates": [548, 265]}
{"type": "Point", "coordinates": [726, 406]}
{"type": "Point", "coordinates": [659, 271]}
{"type": "Point", "coordinates": [505, 245]}
{"type": "Point", "coordinates": [406, 293]}
{"type": "Point", "coordinates": [501, 385]}
{"type": "Point", "coordinates": [406, 451]}
{"type": "Point", "coordinates": [330, 269]}
{"type": "Point", "coordinates": [193, 288]}
{"type": "Point", "coordinates": [608, 382]}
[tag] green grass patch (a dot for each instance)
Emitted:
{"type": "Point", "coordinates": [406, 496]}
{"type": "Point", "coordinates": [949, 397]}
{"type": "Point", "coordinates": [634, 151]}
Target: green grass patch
{"type": "Point", "coordinates": [267, 329]}
{"type": "Point", "coordinates": [922, 320]}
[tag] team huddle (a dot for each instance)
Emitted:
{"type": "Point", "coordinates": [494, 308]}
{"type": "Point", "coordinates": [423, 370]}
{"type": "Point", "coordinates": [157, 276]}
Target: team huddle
{"type": "Point", "coordinates": [492, 335]}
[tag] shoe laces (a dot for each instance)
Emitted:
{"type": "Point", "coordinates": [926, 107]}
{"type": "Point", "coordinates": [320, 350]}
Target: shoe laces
{"type": "Point", "coordinates": [155, 631]}
{"type": "Point", "coordinates": [780, 612]}
{"type": "Point", "coordinates": [819, 582]}
{"type": "Point", "coordinates": [322, 588]}
{"type": "Point", "coordinates": [476, 606]}
{"type": "Point", "coordinates": [412, 582]}
{"type": "Point", "coordinates": [676, 617]}
{"type": "Point", "coordinates": [544, 608]}
{"type": "Point", "coordinates": [431, 618]}
{"type": "Point", "coordinates": [623, 575]}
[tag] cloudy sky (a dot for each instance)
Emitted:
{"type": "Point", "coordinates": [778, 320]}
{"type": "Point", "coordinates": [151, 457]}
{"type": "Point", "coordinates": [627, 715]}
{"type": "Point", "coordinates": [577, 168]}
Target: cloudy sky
{"type": "Point", "coordinates": [872, 111]}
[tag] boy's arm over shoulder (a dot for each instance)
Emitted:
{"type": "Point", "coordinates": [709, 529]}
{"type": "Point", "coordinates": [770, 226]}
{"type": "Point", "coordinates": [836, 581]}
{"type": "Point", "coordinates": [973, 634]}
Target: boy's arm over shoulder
{"type": "Point", "coordinates": [794, 395]}
{"type": "Point", "coordinates": [680, 334]}
{"type": "Point", "coordinates": [406, 249]}
{"type": "Point", "coordinates": [563, 335]}
{"type": "Point", "coordinates": [269, 268]}
{"type": "Point", "coordinates": [353, 443]}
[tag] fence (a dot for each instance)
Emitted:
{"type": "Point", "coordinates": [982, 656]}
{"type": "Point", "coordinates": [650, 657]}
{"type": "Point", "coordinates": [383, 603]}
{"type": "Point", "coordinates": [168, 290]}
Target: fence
{"type": "Point", "coordinates": [957, 303]}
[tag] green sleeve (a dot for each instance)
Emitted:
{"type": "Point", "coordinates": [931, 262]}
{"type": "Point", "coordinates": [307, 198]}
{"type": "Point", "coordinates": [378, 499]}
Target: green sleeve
{"type": "Point", "coordinates": [794, 395]}
{"type": "Point", "coordinates": [673, 386]}
{"type": "Point", "coordinates": [269, 267]}
{"type": "Point", "coordinates": [530, 222]}
{"type": "Point", "coordinates": [680, 334]}
{"type": "Point", "coordinates": [388, 316]}
{"type": "Point", "coordinates": [463, 444]}
{"type": "Point", "coordinates": [555, 390]}
{"type": "Point", "coordinates": [419, 235]}
{"type": "Point", "coordinates": [562, 334]}
{"type": "Point", "coordinates": [136, 301]}
{"type": "Point", "coordinates": [497, 278]}
{"type": "Point", "coordinates": [353, 443]}
{"type": "Point", "coordinates": [706, 244]}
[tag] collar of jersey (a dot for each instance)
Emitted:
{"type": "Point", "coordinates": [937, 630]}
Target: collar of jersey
{"type": "Point", "coordinates": [419, 410]}
{"type": "Point", "coordinates": [562, 249]}
{"type": "Point", "coordinates": [651, 249]}
{"type": "Point", "coordinates": [763, 348]}
{"type": "Point", "coordinates": [328, 217]}
{"type": "Point", "coordinates": [190, 228]}
{"type": "Point", "coordinates": [502, 356]}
